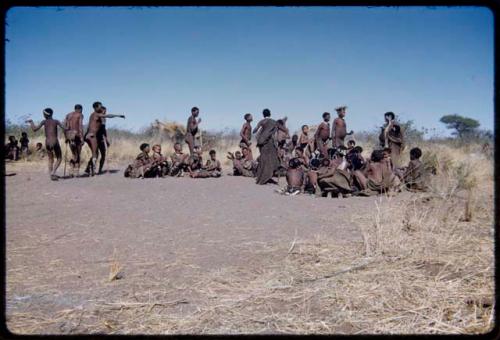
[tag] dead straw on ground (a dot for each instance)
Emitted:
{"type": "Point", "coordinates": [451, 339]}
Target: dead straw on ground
{"type": "Point", "coordinates": [423, 265]}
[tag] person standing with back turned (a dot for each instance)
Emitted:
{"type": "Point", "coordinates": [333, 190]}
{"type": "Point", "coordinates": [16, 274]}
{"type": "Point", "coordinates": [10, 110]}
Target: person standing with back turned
{"type": "Point", "coordinates": [268, 161]}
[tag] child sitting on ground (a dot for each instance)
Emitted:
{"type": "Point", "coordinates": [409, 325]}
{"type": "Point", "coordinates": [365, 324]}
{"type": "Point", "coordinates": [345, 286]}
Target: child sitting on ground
{"type": "Point", "coordinates": [40, 151]}
{"type": "Point", "coordinates": [160, 162]}
{"type": "Point", "coordinates": [180, 161]}
{"type": "Point", "coordinates": [294, 178]}
{"type": "Point", "coordinates": [142, 166]}
{"type": "Point", "coordinates": [213, 166]}
{"type": "Point", "coordinates": [414, 175]}
{"type": "Point", "coordinates": [243, 165]}
{"type": "Point", "coordinates": [12, 149]}
{"type": "Point", "coordinates": [211, 169]}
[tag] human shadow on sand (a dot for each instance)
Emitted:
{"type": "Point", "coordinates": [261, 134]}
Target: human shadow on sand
{"type": "Point", "coordinates": [84, 175]}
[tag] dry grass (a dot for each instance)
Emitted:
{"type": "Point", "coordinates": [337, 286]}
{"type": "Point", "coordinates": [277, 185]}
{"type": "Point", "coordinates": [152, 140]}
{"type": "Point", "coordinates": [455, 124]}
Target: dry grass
{"type": "Point", "coordinates": [123, 150]}
{"type": "Point", "coordinates": [115, 268]}
{"type": "Point", "coordinates": [423, 265]}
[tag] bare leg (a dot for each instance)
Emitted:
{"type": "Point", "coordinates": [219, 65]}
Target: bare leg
{"type": "Point", "coordinates": [102, 151]}
{"type": "Point", "coordinates": [58, 154]}
{"type": "Point", "coordinates": [72, 162]}
{"type": "Point", "coordinates": [313, 180]}
{"type": "Point", "coordinates": [190, 143]}
{"type": "Point", "coordinates": [360, 179]}
{"type": "Point", "coordinates": [92, 142]}
{"type": "Point", "coordinates": [50, 155]}
{"type": "Point", "coordinates": [78, 155]}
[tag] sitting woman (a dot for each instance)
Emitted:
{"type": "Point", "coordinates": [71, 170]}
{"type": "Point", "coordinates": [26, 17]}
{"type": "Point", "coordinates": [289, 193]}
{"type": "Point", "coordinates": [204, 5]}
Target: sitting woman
{"type": "Point", "coordinates": [160, 162]}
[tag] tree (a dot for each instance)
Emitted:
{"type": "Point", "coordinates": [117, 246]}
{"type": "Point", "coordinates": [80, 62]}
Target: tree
{"type": "Point", "coordinates": [411, 134]}
{"type": "Point", "coordinates": [463, 126]}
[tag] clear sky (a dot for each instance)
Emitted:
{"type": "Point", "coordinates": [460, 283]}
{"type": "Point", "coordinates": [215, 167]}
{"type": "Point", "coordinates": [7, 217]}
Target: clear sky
{"type": "Point", "coordinates": [148, 63]}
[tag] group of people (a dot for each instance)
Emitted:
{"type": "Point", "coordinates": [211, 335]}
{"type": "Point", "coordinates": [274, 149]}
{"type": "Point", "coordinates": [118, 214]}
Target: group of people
{"type": "Point", "coordinates": [95, 136]}
{"type": "Point", "coordinates": [318, 164]}
{"type": "Point", "coordinates": [15, 150]}
{"type": "Point", "coordinates": [323, 163]}
{"type": "Point", "coordinates": [180, 163]}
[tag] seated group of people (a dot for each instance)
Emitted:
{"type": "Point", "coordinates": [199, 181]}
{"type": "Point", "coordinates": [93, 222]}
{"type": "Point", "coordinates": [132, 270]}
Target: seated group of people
{"type": "Point", "coordinates": [157, 165]}
{"type": "Point", "coordinates": [346, 172]}
{"type": "Point", "coordinates": [14, 151]}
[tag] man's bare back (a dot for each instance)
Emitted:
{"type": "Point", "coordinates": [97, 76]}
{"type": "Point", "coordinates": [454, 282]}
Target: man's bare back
{"type": "Point", "coordinates": [74, 122]}
{"type": "Point", "coordinates": [50, 131]}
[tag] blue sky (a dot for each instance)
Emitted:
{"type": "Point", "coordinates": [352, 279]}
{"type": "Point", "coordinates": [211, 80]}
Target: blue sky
{"type": "Point", "coordinates": [148, 63]}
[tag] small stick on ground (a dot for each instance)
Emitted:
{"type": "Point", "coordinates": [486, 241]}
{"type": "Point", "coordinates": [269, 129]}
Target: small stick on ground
{"type": "Point", "coordinates": [293, 243]}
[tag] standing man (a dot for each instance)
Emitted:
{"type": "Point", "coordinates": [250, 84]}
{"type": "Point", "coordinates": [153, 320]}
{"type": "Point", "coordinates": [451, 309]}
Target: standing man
{"type": "Point", "coordinates": [246, 131]}
{"type": "Point", "coordinates": [391, 136]}
{"type": "Point", "coordinates": [95, 137]}
{"type": "Point", "coordinates": [339, 128]}
{"type": "Point", "coordinates": [103, 141]}
{"type": "Point", "coordinates": [74, 136]}
{"type": "Point", "coordinates": [268, 161]}
{"type": "Point", "coordinates": [192, 128]}
{"type": "Point", "coordinates": [51, 142]}
{"type": "Point", "coordinates": [322, 135]}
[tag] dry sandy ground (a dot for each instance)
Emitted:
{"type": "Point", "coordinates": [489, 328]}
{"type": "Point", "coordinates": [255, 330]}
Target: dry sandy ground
{"type": "Point", "coordinates": [62, 237]}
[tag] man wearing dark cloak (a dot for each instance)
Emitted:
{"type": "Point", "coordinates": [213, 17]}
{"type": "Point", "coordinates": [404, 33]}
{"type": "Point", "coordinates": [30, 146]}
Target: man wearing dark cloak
{"type": "Point", "coordinates": [268, 161]}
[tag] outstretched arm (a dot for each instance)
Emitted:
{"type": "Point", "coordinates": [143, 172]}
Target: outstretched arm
{"type": "Point", "coordinates": [35, 127]}
{"type": "Point", "coordinates": [110, 115]}
{"type": "Point", "coordinates": [114, 116]}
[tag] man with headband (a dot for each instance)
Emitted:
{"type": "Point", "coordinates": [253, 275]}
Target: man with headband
{"type": "Point", "coordinates": [51, 142]}
{"type": "Point", "coordinates": [339, 128]}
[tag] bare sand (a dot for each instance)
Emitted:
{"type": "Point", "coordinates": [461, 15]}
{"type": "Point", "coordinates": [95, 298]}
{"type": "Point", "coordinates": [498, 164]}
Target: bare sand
{"type": "Point", "coordinates": [165, 234]}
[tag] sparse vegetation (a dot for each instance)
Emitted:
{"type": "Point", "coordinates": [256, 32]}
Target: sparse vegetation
{"type": "Point", "coordinates": [463, 126]}
{"type": "Point", "coordinates": [423, 265]}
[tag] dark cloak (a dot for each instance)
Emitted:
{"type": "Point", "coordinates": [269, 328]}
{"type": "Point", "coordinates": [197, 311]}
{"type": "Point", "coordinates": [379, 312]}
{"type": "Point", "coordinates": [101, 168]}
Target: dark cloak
{"type": "Point", "coordinates": [268, 160]}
